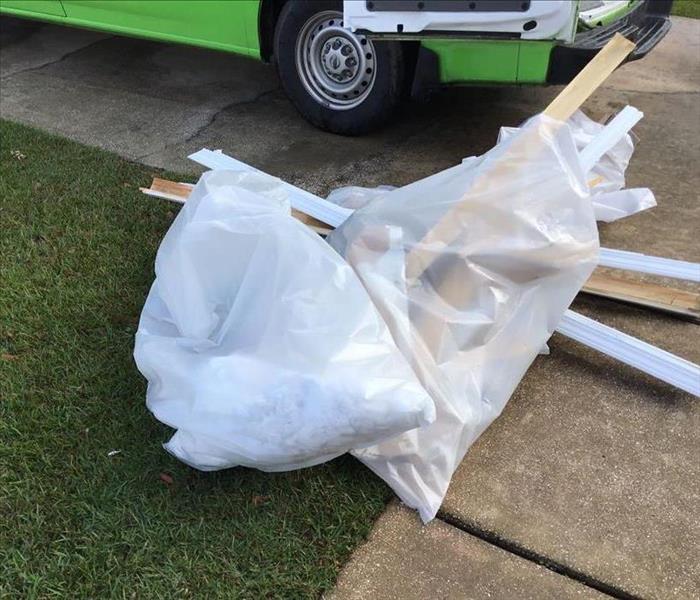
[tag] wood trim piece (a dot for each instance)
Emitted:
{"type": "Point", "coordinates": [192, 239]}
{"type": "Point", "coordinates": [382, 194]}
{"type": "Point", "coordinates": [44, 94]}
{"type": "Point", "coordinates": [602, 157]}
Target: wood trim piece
{"type": "Point", "coordinates": [590, 78]}
{"type": "Point", "coordinates": [168, 190]}
{"type": "Point", "coordinates": [651, 295]}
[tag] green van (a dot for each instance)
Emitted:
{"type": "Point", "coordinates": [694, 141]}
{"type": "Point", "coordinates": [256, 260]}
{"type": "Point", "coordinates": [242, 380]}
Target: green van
{"type": "Point", "coordinates": [347, 65]}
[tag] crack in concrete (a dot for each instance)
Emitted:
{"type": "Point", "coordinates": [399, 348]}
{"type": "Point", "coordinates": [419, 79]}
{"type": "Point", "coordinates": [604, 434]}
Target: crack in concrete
{"type": "Point", "coordinates": [512, 547]}
{"type": "Point", "coordinates": [229, 106]}
{"type": "Point", "coordinates": [209, 122]}
{"type": "Point", "coordinates": [56, 61]}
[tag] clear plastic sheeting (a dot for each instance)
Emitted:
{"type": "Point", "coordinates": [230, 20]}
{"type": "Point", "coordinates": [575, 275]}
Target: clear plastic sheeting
{"type": "Point", "coordinates": [260, 344]}
{"type": "Point", "coordinates": [611, 206]}
{"type": "Point", "coordinates": [472, 269]}
{"type": "Point", "coordinates": [607, 177]}
{"type": "Point", "coordinates": [354, 196]}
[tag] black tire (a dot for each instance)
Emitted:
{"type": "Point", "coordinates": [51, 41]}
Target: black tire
{"type": "Point", "coordinates": [376, 107]}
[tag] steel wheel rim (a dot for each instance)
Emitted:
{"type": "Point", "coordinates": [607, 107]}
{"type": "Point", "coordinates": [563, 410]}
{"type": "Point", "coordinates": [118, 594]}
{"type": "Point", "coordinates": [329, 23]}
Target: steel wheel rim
{"type": "Point", "coordinates": [336, 67]}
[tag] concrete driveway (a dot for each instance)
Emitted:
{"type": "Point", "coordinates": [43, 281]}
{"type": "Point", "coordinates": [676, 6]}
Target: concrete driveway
{"type": "Point", "coordinates": [593, 470]}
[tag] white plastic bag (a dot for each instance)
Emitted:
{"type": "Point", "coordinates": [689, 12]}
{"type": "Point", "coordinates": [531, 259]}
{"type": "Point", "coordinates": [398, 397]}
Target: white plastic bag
{"type": "Point", "coordinates": [260, 344]}
{"type": "Point", "coordinates": [607, 178]}
{"type": "Point", "coordinates": [472, 269]}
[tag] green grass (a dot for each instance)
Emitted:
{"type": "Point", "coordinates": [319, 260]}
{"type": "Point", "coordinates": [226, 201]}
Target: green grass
{"type": "Point", "coordinates": [686, 8]}
{"type": "Point", "coordinates": [77, 244]}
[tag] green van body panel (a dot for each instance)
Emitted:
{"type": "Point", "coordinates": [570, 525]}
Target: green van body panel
{"type": "Point", "coordinates": [492, 61]}
{"type": "Point", "coordinates": [533, 61]}
{"type": "Point", "coordinates": [233, 26]}
{"type": "Point", "coordinates": [38, 7]}
{"type": "Point", "coordinates": [217, 24]}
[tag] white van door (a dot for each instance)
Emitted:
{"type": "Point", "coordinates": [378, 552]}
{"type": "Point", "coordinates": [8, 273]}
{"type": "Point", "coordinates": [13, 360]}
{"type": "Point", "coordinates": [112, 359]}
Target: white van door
{"type": "Point", "coordinates": [523, 19]}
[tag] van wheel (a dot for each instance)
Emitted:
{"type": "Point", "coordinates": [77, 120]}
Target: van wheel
{"type": "Point", "coordinates": [338, 80]}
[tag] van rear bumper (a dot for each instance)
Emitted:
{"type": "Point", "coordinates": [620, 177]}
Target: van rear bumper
{"type": "Point", "coordinates": [645, 25]}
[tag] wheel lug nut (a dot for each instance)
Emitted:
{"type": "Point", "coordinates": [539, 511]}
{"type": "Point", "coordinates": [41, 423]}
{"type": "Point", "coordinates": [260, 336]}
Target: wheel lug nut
{"type": "Point", "coordinates": [336, 44]}
{"type": "Point", "coordinates": [346, 50]}
{"type": "Point", "coordinates": [350, 62]}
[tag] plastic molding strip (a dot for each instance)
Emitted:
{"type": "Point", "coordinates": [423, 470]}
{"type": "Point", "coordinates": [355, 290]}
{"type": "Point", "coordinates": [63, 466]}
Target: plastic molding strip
{"type": "Point", "coordinates": [301, 200]}
{"type": "Point", "coordinates": [610, 135]}
{"type": "Point", "coordinates": [653, 265]}
{"type": "Point", "coordinates": [632, 351]}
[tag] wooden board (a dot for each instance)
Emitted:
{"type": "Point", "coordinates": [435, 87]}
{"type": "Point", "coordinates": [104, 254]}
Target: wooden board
{"type": "Point", "coordinates": [652, 295]}
{"type": "Point", "coordinates": [590, 78]}
{"type": "Point", "coordinates": [171, 187]}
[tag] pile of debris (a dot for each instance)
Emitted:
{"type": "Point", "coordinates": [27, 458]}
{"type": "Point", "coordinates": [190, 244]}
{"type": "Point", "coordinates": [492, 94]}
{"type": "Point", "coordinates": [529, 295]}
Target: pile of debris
{"type": "Point", "coordinates": [401, 335]}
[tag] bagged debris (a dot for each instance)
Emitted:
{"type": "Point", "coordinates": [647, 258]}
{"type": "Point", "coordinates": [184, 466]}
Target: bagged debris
{"type": "Point", "coordinates": [279, 359]}
{"type": "Point", "coordinates": [260, 344]}
{"type": "Point", "coordinates": [472, 269]}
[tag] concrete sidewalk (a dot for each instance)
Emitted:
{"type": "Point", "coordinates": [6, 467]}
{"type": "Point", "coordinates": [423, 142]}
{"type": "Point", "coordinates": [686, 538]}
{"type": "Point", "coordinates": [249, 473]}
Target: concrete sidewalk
{"type": "Point", "coordinates": [404, 559]}
{"type": "Point", "coordinates": [593, 468]}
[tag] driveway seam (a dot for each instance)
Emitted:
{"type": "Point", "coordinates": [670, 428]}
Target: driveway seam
{"type": "Point", "coordinates": [517, 549]}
